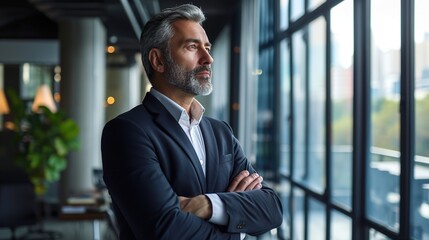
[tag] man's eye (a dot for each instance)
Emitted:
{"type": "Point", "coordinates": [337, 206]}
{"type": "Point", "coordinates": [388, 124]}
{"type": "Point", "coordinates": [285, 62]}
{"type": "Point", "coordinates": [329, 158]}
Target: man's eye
{"type": "Point", "coordinates": [208, 49]}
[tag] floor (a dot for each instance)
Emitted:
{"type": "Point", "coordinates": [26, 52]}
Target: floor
{"type": "Point", "coordinates": [76, 230]}
{"type": "Point", "coordinates": [64, 230]}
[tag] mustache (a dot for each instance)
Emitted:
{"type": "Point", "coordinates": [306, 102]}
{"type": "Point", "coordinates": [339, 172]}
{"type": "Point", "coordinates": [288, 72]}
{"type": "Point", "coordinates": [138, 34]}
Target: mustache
{"type": "Point", "coordinates": [202, 68]}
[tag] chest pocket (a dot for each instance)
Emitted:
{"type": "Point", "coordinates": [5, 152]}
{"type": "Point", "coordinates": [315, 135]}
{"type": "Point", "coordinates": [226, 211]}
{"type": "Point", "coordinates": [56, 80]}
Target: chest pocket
{"type": "Point", "coordinates": [226, 165]}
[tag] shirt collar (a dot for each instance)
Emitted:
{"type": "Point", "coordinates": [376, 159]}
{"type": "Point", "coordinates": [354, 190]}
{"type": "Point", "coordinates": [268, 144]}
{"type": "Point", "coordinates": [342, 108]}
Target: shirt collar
{"type": "Point", "coordinates": [197, 110]}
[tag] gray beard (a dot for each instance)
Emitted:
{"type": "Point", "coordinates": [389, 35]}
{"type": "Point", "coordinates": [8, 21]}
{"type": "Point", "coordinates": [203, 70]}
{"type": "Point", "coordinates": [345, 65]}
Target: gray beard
{"type": "Point", "coordinates": [186, 80]}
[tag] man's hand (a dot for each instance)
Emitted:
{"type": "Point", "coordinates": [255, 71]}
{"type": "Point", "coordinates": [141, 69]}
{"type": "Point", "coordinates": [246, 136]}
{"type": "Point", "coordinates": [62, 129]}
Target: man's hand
{"type": "Point", "coordinates": [245, 181]}
{"type": "Point", "coordinates": [200, 206]}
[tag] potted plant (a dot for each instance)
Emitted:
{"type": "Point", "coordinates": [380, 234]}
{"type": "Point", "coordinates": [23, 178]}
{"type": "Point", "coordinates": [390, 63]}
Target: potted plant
{"type": "Point", "coordinates": [45, 138]}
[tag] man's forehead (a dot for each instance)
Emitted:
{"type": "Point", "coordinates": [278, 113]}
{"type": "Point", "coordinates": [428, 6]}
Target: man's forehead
{"type": "Point", "coordinates": [187, 30]}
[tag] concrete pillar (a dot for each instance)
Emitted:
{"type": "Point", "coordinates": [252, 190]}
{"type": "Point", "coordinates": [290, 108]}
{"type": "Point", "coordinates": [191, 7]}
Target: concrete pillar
{"type": "Point", "coordinates": [83, 67]}
{"type": "Point", "coordinates": [124, 84]}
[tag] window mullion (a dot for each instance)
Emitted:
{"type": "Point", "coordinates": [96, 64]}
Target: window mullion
{"type": "Point", "coordinates": [361, 115]}
{"type": "Point", "coordinates": [407, 130]}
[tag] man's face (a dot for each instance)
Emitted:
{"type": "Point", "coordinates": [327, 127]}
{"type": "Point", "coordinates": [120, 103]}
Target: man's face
{"type": "Point", "coordinates": [188, 66]}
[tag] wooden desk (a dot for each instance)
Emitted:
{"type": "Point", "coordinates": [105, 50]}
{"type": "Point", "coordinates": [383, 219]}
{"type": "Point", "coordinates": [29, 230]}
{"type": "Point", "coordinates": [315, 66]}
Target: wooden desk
{"type": "Point", "coordinates": [87, 210]}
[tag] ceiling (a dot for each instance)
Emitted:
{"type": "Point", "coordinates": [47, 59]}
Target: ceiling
{"type": "Point", "coordinates": [123, 19]}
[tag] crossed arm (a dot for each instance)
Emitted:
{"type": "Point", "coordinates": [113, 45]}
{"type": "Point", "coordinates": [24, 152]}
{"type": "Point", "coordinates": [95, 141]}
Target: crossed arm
{"type": "Point", "coordinates": [201, 206]}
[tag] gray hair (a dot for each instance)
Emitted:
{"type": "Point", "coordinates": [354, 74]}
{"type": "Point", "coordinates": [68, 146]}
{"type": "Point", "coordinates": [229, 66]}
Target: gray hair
{"type": "Point", "coordinates": [157, 32]}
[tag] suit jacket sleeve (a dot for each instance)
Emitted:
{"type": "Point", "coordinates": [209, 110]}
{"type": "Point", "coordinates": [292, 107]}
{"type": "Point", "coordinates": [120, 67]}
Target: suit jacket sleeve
{"type": "Point", "coordinates": [253, 212]}
{"type": "Point", "coordinates": [140, 190]}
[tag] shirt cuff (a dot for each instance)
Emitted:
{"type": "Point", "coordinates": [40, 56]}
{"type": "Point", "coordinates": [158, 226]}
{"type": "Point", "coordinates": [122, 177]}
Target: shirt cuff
{"type": "Point", "coordinates": [219, 215]}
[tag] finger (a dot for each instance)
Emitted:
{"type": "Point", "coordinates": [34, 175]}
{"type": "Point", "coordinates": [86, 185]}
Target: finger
{"type": "Point", "coordinates": [236, 181]}
{"type": "Point", "coordinates": [245, 182]}
{"type": "Point", "coordinates": [256, 184]}
{"type": "Point", "coordinates": [183, 201]}
{"type": "Point", "coordinates": [233, 185]}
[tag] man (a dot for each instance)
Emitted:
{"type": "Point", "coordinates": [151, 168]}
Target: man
{"type": "Point", "coordinates": [172, 173]}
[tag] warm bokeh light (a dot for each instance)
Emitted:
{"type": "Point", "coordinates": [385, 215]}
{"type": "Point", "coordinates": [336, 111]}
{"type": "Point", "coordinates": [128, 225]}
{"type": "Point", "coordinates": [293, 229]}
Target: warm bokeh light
{"type": "Point", "coordinates": [110, 100]}
{"type": "Point", "coordinates": [9, 125]}
{"type": "Point", "coordinates": [111, 49]}
{"type": "Point", "coordinates": [235, 106]}
{"type": "Point", "coordinates": [4, 106]}
{"type": "Point", "coordinates": [45, 98]}
{"type": "Point", "coordinates": [57, 97]}
{"type": "Point", "coordinates": [257, 72]}
{"type": "Point", "coordinates": [57, 77]}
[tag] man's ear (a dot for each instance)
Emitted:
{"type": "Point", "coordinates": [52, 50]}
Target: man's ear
{"type": "Point", "coordinates": [156, 60]}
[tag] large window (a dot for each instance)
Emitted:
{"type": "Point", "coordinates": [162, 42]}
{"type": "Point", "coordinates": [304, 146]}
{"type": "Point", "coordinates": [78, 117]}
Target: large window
{"type": "Point", "coordinates": [34, 75]}
{"type": "Point", "coordinates": [343, 97]}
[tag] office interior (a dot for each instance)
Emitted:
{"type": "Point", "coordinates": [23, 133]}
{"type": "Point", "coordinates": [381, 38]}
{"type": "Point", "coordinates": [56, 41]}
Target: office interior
{"type": "Point", "coordinates": [329, 99]}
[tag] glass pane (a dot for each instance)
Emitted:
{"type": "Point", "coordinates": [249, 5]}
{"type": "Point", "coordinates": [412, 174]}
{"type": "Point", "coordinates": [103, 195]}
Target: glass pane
{"type": "Point", "coordinates": [420, 191]}
{"type": "Point", "coordinates": [34, 75]}
{"type": "Point", "coordinates": [374, 235]}
{"type": "Point", "coordinates": [298, 214]}
{"type": "Point", "coordinates": [264, 121]}
{"type": "Point", "coordinates": [299, 104]}
{"type": "Point", "coordinates": [317, 220]}
{"type": "Point", "coordinates": [284, 14]}
{"type": "Point", "coordinates": [266, 20]}
{"type": "Point", "coordinates": [317, 102]}
{"type": "Point", "coordinates": [313, 4]}
{"type": "Point", "coordinates": [284, 193]}
{"type": "Point", "coordinates": [341, 226]}
{"type": "Point", "coordinates": [284, 107]}
{"type": "Point", "coordinates": [297, 9]}
{"type": "Point", "coordinates": [342, 101]}
{"type": "Point", "coordinates": [384, 167]}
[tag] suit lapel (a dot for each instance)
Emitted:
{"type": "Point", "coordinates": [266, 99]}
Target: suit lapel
{"type": "Point", "coordinates": [212, 156]}
{"type": "Point", "coordinates": [169, 125]}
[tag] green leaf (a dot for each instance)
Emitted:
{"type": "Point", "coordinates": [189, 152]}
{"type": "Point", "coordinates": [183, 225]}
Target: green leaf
{"type": "Point", "coordinates": [60, 147]}
{"type": "Point", "coordinates": [61, 164]}
{"type": "Point", "coordinates": [35, 160]}
{"type": "Point", "coordinates": [69, 129]}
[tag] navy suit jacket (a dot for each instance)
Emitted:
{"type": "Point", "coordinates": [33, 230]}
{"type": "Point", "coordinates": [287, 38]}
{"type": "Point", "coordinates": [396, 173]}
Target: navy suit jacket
{"type": "Point", "coordinates": [148, 161]}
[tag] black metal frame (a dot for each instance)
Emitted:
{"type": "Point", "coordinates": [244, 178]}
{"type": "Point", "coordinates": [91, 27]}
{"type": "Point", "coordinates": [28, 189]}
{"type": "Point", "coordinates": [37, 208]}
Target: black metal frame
{"type": "Point", "coordinates": [407, 134]}
{"type": "Point", "coordinates": [361, 103]}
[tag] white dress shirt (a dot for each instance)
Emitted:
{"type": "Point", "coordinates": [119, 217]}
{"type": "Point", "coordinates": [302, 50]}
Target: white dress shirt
{"type": "Point", "coordinates": [190, 125]}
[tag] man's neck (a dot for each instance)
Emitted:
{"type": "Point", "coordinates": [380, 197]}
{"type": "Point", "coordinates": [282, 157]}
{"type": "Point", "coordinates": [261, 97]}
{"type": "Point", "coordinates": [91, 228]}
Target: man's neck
{"type": "Point", "coordinates": [178, 96]}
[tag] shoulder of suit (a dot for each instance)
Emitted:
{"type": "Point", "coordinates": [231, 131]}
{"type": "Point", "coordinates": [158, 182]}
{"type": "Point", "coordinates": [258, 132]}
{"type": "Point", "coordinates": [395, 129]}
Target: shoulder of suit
{"type": "Point", "coordinates": [137, 113]}
{"type": "Point", "coordinates": [218, 123]}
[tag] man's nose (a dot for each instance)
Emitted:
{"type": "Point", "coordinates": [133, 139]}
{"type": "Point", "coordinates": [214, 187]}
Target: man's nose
{"type": "Point", "coordinates": [206, 58]}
